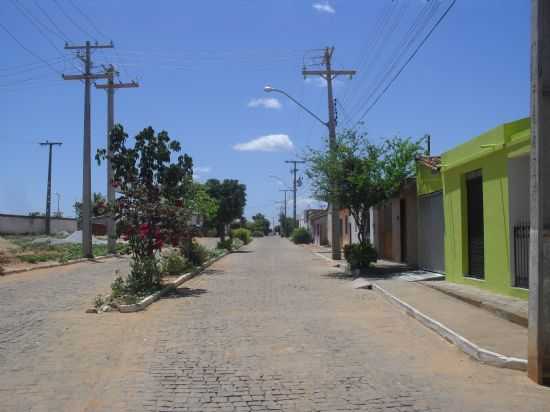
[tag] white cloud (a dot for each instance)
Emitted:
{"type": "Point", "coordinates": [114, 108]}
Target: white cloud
{"type": "Point", "coordinates": [269, 143]}
{"type": "Point", "coordinates": [266, 103]}
{"type": "Point", "coordinates": [324, 7]}
{"type": "Point", "coordinates": [202, 169]}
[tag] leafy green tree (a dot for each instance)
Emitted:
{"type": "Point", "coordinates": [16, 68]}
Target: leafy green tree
{"type": "Point", "coordinates": [259, 224]}
{"type": "Point", "coordinates": [360, 174]}
{"type": "Point", "coordinates": [286, 225]}
{"type": "Point", "coordinates": [157, 199]}
{"type": "Point", "coordinates": [99, 206]}
{"type": "Point", "coordinates": [230, 196]}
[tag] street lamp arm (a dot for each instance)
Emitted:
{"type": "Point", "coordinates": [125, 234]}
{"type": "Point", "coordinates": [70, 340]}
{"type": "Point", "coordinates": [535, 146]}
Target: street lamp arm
{"type": "Point", "coordinates": [272, 89]}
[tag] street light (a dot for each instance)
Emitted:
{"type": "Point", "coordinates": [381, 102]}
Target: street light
{"type": "Point", "coordinates": [331, 126]}
{"type": "Point", "coordinates": [270, 89]}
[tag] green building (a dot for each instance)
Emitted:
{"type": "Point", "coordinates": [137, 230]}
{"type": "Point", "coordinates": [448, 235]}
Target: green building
{"type": "Point", "coordinates": [484, 185]}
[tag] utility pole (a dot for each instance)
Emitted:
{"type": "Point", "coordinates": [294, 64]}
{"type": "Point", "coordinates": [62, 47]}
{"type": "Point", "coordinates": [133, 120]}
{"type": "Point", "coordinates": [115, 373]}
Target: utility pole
{"type": "Point", "coordinates": [285, 191]}
{"type": "Point", "coordinates": [58, 195]}
{"type": "Point", "coordinates": [329, 75]}
{"type": "Point", "coordinates": [538, 348]}
{"type": "Point", "coordinates": [294, 170]}
{"type": "Point", "coordinates": [110, 87]}
{"type": "Point", "coordinates": [49, 190]}
{"type": "Point", "coordinates": [87, 76]}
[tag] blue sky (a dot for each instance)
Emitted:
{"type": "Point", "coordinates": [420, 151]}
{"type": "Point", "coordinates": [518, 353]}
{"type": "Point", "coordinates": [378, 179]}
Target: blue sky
{"type": "Point", "coordinates": [202, 67]}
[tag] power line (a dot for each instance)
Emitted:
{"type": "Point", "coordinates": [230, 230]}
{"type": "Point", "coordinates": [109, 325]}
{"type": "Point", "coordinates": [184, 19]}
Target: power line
{"type": "Point", "coordinates": [55, 26]}
{"type": "Point", "coordinates": [73, 22]}
{"type": "Point", "coordinates": [29, 50]}
{"type": "Point", "coordinates": [411, 57]}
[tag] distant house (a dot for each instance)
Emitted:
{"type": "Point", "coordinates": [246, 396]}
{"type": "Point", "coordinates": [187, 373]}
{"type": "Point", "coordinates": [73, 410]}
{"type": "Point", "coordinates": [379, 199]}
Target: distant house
{"type": "Point", "coordinates": [394, 226]}
{"type": "Point", "coordinates": [317, 220]}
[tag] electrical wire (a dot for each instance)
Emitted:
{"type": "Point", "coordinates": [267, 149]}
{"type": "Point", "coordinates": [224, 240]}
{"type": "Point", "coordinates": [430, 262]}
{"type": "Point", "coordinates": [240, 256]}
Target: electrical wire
{"type": "Point", "coordinates": [411, 57]}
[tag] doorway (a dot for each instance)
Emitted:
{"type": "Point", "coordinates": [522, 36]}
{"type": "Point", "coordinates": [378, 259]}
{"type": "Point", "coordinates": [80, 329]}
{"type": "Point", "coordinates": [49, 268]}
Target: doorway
{"type": "Point", "coordinates": [403, 228]}
{"type": "Point", "coordinates": [476, 243]}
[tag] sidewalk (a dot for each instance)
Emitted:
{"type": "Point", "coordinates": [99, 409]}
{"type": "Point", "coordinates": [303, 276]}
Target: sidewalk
{"type": "Point", "coordinates": [477, 325]}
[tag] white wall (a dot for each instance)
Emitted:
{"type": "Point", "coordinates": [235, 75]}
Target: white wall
{"type": "Point", "coordinates": [18, 224]}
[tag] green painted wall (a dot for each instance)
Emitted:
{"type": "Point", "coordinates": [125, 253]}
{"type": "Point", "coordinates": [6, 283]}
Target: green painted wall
{"type": "Point", "coordinates": [488, 153]}
{"type": "Point", "coordinates": [427, 180]}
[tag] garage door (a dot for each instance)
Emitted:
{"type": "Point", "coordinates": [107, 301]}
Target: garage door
{"type": "Point", "coordinates": [431, 229]}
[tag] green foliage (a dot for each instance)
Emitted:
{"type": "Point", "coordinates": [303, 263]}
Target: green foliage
{"type": "Point", "coordinates": [257, 233]}
{"type": "Point", "coordinates": [45, 252]}
{"type": "Point", "coordinates": [259, 224]}
{"type": "Point", "coordinates": [301, 235]}
{"type": "Point", "coordinates": [231, 199]}
{"type": "Point", "coordinates": [118, 287]}
{"type": "Point", "coordinates": [99, 301]}
{"type": "Point", "coordinates": [197, 254]}
{"type": "Point", "coordinates": [226, 244]}
{"type": "Point", "coordinates": [99, 206]}
{"type": "Point", "coordinates": [236, 243]}
{"type": "Point", "coordinates": [174, 264]}
{"type": "Point", "coordinates": [359, 174]}
{"type": "Point", "coordinates": [286, 225]}
{"type": "Point", "coordinates": [158, 199]}
{"type": "Point", "coordinates": [359, 256]}
{"type": "Point", "coordinates": [243, 234]}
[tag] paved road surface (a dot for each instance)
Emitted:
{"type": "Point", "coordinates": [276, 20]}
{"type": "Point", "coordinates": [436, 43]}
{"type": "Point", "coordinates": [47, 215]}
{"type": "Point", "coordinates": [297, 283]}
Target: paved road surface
{"type": "Point", "coordinates": [270, 328]}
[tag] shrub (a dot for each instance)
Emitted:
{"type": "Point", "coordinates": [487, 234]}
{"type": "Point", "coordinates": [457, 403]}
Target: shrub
{"type": "Point", "coordinates": [257, 233]}
{"type": "Point", "coordinates": [300, 235]}
{"type": "Point", "coordinates": [174, 264]}
{"type": "Point", "coordinates": [237, 243]}
{"type": "Point", "coordinates": [197, 254]}
{"type": "Point", "coordinates": [360, 256]}
{"type": "Point", "coordinates": [118, 287]}
{"type": "Point", "coordinates": [243, 234]}
{"type": "Point", "coordinates": [227, 244]}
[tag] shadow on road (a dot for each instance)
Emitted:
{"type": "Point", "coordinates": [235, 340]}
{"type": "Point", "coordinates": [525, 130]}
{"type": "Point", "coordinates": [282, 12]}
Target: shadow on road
{"type": "Point", "coordinates": [243, 251]}
{"type": "Point", "coordinates": [184, 293]}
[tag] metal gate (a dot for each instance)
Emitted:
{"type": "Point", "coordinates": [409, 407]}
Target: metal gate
{"type": "Point", "coordinates": [476, 241]}
{"type": "Point", "coordinates": [521, 255]}
{"type": "Point", "coordinates": [431, 230]}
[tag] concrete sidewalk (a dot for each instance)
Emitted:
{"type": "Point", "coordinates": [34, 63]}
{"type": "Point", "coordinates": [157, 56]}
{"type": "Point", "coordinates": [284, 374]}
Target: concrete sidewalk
{"type": "Point", "coordinates": [479, 326]}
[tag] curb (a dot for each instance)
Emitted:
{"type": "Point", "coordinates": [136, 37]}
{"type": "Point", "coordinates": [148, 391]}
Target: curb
{"type": "Point", "coordinates": [505, 314]}
{"type": "Point", "coordinates": [142, 304]}
{"type": "Point", "coordinates": [471, 349]}
{"type": "Point", "coordinates": [54, 265]}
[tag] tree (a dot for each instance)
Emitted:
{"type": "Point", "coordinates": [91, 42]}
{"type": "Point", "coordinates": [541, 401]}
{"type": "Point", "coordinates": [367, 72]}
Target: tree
{"type": "Point", "coordinates": [231, 198]}
{"type": "Point", "coordinates": [98, 206]}
{"type": "Point", "coordinates": [360, 174]}
{"type": "Point", "coordinates": [158, 199]}
{"type": "Point", "coordinates": [286, 225]}
{"type": "Point", "coordinates": [259, 224]}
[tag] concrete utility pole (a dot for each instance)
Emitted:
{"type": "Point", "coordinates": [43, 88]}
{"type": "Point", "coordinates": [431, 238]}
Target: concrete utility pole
{"type": "Point", "coordinates": [329, 75]}
{"type": "Point", "coordinates": [49, 190]}
{"type": "Point", "coordinates": [110, 87]}
{"type": "Point", "coordinates": [285, 191]}
{"type": "Point", "coordinates": [87, 76]}
{"type": "Point", "coordinates": [58, 195]}
{"type": "Point", "coordinates": [538, 351]}
{"type": "Point", "coordinates": [294, 170]}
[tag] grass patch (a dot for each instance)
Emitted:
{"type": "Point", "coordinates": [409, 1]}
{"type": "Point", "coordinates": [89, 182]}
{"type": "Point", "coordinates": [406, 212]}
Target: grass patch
{"type": "Point", "coordinates": [37, 253]}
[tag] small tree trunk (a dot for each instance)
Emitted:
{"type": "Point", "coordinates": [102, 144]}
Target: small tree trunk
{"type": "Point", "coordinates": [221, 232]}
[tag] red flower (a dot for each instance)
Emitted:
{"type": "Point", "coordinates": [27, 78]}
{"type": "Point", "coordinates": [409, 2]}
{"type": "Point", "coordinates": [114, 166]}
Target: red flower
{"type": "Point", "coordinates": [143, 230]}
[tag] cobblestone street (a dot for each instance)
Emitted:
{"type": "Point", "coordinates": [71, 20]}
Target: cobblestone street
{"type": "Point", "coordinates": [271, 327]}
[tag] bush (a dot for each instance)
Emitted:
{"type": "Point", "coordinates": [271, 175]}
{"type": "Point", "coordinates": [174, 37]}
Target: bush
{"type": "Point", "coordinates": [243, 234]}
{"type": "Point", "coordinates": [301, 235]}
{"type": "Point", "coordinates": [257, 233]}
{"type": "Point", "coordinates": [227, 244]}
{"type": "Point", "coordinates": [174, 264]}
{"type": "Point", "coordinates": [237, 243]}
{"type": "Point", "coordinates": [197, 254]}
{"type": "Point", "coordinates": [360, 256]}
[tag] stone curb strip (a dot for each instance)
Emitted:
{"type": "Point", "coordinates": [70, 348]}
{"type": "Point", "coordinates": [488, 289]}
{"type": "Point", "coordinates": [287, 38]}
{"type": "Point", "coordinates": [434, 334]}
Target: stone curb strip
{"type": "Point", "coordinates": [141, 305]}
{"type": "Point", "coordinates": [499, 311]}
{"type": "Point", "coordinates": [471, 349]}
{"type": "Point", "coordinates": [54, 265]}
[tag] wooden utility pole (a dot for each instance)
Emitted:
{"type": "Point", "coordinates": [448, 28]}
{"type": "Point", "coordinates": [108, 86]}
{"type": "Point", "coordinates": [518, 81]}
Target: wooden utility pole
{"type": "Point", "coordinates": [87, 76]}
{"type": "Point", "coordinates": [110, 87]}
{"type": "Point", "coordinates": [294, 170]}
{"type": "Point", "coordinates": [285, 191]}
{"type": "Point", "coordinates": [49, 190]}
{"type": "Point", "coordinates": [329, 75]}
{"type": "Point", "coordinates": [538, 353]}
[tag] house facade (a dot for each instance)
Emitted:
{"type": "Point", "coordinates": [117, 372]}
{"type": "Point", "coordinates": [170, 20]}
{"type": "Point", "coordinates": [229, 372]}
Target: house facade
{"type": "Point", "coordinates": [317, 224]}
{"type": "Point", "coordinates": [485, 184]}
{"type": "Point", "coordinates": [393, 230]}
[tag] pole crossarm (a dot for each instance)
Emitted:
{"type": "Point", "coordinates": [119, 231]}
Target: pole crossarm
{"type": "Point", "coordinates": [333, 73]}
{"type": "Point", "coordinates": [129, 85]}
{"type": "Point", "coordinates": [93, 76]}
{"type": "Point", "coordinates": [91, 46]}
